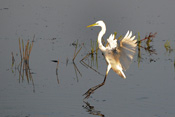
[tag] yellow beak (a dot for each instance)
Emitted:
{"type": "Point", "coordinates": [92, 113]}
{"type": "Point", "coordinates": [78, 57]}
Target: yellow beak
{"type": "Point", "coordinates": [92, 25]}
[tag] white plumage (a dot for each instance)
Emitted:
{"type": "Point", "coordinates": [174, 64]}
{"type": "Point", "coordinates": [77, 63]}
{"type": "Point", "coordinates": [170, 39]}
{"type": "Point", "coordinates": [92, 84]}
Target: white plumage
{"type": "Point", "coordinates": [118, 53]}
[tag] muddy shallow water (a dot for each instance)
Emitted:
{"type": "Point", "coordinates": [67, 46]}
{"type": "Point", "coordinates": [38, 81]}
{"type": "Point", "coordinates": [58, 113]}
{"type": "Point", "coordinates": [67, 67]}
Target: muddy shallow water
{"type": "Point", "coordinates": [58, 26]}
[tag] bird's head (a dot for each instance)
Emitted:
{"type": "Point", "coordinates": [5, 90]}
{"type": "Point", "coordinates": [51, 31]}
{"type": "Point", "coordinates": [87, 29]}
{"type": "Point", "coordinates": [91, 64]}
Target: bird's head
{"type": "Point", "coordinates": [98, 23]}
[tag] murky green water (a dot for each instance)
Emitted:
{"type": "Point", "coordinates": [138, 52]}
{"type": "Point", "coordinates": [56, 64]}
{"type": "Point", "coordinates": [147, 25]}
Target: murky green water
{"type": "Point", "coordinates": [148, 90]}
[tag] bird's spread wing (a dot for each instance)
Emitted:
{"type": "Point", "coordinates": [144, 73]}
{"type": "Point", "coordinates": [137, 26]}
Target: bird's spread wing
{"type": "Point", "coordinates": [112, 42]}
{"type": "Point", "coordinates": [119, 53]}
{"type": "Point", "coordinates": [125, 50]}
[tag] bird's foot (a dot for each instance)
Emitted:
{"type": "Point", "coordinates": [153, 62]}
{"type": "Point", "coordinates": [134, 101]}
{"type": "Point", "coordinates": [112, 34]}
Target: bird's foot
{"type": "Point", "coordinates": [88, 93]}
{"type": "Point", "coordinates": [91, 90]}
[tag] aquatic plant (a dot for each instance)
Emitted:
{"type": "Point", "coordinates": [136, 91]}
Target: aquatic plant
{"type": "Point", "coordinates": [168, 47]}
{"type": "Point", "coordinates": [23, 67]}
{"type": "Point", "coordinates": [76, 52]}
{"type": "Point", "coordinates": [13, 61]}
{"type": "Point", "coordinates": [138, 46]}
{"type": "Point", "coordinates": [24, 64]}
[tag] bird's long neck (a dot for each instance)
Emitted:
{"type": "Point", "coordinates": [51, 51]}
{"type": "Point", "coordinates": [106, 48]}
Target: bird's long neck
{"type": "Point", "coordinates": [100, 35]}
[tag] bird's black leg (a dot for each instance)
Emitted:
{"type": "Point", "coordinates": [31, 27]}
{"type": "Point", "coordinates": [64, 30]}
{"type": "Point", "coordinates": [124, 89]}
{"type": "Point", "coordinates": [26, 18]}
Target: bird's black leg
{"type": "Point", "coordinates": [91, 90]}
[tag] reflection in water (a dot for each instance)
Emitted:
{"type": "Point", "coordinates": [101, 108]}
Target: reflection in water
{"type": "Point", "coordinates": [73, 60]}
{"type": "Point", "coordinates": [88, 66]}
{"type": "Point", "coordinates": [76, 52]}
{"type": "Point", "coordinates": [94, 50]}
{"type": "Point", "coordinates": [75, 44]}
{"type": "Point", "coordinates": [76, 70]}
{"type": "Point", "coordinates": [57, 72]}
{"type": "Point", "coordinates": [91, 109]}
{"type": "Point", "coordinates": [13, 62]}
{"type": "Point", "coordinates": [139, 53]}
{"type": "Point", "coordinates": [56, 61]}
{"type": "Point", "coordinates": [93, 60]}
{"type": "Point", "coordinates": [174, 64]}
{"type": "Point", "coordinates": [23, 67]}
{"type": "Point", "coordinates": [91, 55]}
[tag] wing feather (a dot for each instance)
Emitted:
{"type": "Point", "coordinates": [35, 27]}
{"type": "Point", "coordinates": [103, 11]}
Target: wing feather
{"type": "Point", "coordinates": [120, 54]}
{"type": "Point", "coordinates": [126, 50]}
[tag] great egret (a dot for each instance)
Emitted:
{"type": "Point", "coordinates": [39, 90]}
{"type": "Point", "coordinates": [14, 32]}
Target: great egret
{"type": "Point", "coordinates": [118, 53]}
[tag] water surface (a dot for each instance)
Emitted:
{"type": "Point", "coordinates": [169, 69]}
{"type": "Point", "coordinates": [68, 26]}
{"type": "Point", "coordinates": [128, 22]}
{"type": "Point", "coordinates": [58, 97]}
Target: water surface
{"type": "Point", "coordinates": [57, 26]}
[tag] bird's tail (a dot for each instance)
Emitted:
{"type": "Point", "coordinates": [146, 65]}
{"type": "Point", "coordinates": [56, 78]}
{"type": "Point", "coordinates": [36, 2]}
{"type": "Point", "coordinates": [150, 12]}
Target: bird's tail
{"type": "Point", "coordinates": [121, 74]}
{"type": "Point", "coordinates": [119, 71]}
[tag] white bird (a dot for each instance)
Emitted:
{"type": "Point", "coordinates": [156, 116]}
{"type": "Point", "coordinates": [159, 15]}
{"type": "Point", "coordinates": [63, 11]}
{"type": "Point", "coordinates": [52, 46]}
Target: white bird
{"type": "Point", "coordinates": [118, 54]}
